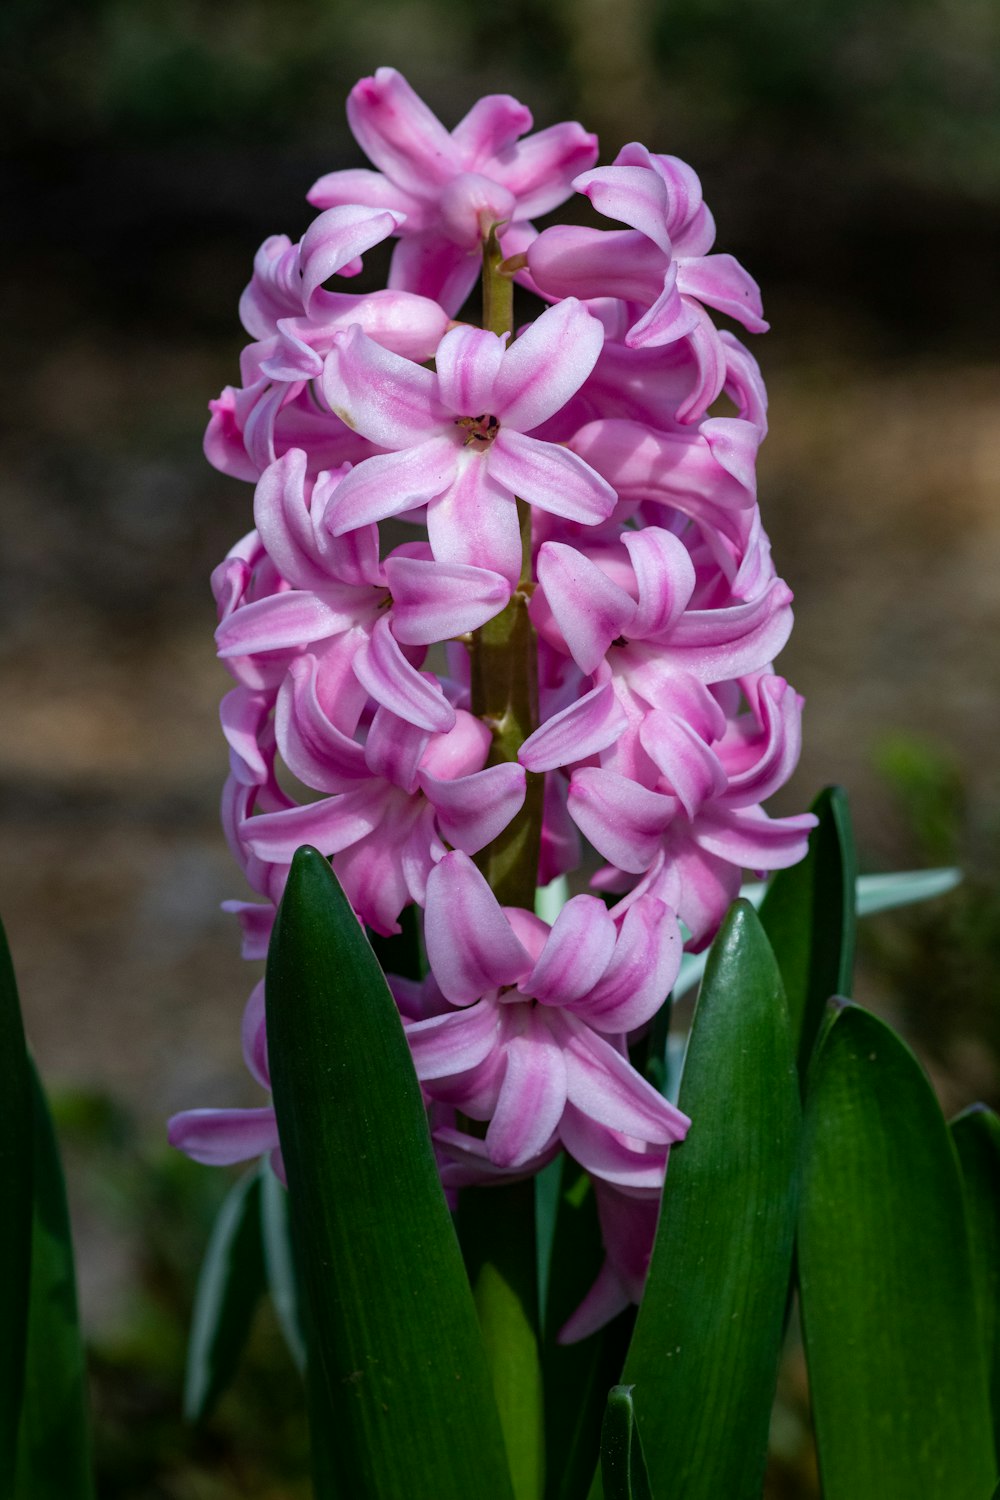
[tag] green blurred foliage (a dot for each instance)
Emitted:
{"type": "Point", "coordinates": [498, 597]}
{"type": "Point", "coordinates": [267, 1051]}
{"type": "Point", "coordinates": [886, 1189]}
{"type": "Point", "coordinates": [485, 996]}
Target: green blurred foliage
{"type": "Point", "coordinates": [913, 85]}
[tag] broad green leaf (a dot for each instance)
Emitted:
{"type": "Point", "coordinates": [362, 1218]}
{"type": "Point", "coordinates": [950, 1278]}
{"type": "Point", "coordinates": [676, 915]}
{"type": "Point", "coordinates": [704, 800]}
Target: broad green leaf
{"type": "Point", "coordinates": [54, 1445]}
{"type": "Point", "coordinates": [896, 1368]}
{"type": "Point", "coordinates": [16, 1171]}
{"type": "Point", "coordinates": [623, 1468]}
{"type": "Point", "coordinates": [704, 1354]}
{"type": "Point", "coordinates": [279, 1263]}
{"type": "Point", "coordinates": [496, 1227]}
{"type": "Point", "coordinates": [808, 913]}
{"type": "Point", "coordinates": [230, 1285]}
{"type": "Point", "coordinates": [391, 1312]}
{"type": "Point", "coordinates": [577, 1376]}
{"type": "Point", "coordinates": [976, 1133]}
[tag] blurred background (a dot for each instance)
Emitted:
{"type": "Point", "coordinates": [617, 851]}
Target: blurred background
{"type": "Point", "coordinates": [851, 155]}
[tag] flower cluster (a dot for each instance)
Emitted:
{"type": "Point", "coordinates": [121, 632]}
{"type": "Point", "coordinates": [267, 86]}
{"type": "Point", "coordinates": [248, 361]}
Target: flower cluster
{"type": "Point", "coordinates": [569, 637]}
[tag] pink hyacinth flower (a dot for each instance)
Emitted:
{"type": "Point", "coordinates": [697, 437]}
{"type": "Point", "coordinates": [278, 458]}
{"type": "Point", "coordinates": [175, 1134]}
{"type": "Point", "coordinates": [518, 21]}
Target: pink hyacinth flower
{"type": "Point", "coordinates": [458, 437]}
{"type": "Point", "coordinates": [452, 187]}
{"type": "Point", "coordinates": [530, 1031]}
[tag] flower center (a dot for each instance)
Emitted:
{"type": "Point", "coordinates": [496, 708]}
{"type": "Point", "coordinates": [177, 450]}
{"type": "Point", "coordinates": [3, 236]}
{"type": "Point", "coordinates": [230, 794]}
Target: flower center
{"type": "Point", "coordinates": [480, 431]}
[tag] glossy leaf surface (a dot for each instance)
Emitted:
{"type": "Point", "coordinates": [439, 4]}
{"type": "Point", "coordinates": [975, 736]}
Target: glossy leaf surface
{"type": "Point", "coordinates": [230, 1285]}
{"type": "Point", "coordinates": [976, 1133]}
{"type": "Point", "coordinates": [808, 913]}
{"type": "Point", "coordinates": [704, 1355]}
{"type": "Point", "coordinates": [16, 1171]}
{"type": "Point", "coordinates": [54, 1446]}
{"type": "Point", "coordinates": [897, 1375]}
{"type": "Point", "coordinates": [390, 1310]}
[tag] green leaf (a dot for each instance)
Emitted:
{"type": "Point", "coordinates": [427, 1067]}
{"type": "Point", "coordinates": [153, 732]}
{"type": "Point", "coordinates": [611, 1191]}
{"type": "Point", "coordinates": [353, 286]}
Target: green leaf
{"type": "Point", "coordinates": [390, 1308]}
{"type": "Point", "coordinates": [808, 913]}
{"type": "Point", "coordinates": [896, 1369]}
{"type": "Point", "coordinates": [279, 1263]}
{"type": "Point", "coordinates": [623, 1468]}
{"type": "Point", "coordinates": [16, 1171]}
{"type": "Point", "coordinates": [54, 1446]}
{"type": "Point", "coordinates": [976, 1134]}
{"type": "Point", "coordinates": [704, 1355]}
{"type": "Point", "coordinates": [230, 1285]}
{"type": "Point", "coordinates": [496, 1227]}
{"type": "Point", "coordinates": [577, 1376]}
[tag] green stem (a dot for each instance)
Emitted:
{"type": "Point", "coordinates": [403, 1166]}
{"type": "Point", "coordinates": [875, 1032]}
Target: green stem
{"type": "Point", "coordinates": [498, 290]}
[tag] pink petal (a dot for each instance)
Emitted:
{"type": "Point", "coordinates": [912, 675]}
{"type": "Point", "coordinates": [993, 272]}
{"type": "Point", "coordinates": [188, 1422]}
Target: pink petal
{"type": "Point", "coordinates": [473, 810]}
{"type": "Point", "coordinates": [243, 714]}
{"type": "Point", "coordinates": [313, 748]}
{"type": "Point", "coordinates": [282, 622]}
{"type": "Point", "coordinates": [607, 1089]}
{"type": "Point", "coordinates": [721, 281]}
{"type": "Point", "coordinates": [474, 521]}
{"type": "Point", "coordinates": [432, 601]}
{"type": "Point", "coordinates": [253, 1035]}
{"type": "Point", "coordinates": [692, 770]}
{"type": "Point", "coordinates": [589, 609]}
{"type": "Point", "coordinates": [633, 195]}
{"type": "Point", "coordinates": [587, 726]}
{"type": "Point", "coordinates": [748, 837]}
{"type": "Point", "coordinates": [434, 267]}
{"type": "Point", "coordinates": [360, 185]}
{"type": "Point", "coordinates": [577, 952]}
{"type": "Point", "coordinates": [547, 365]}
{"type": "Point", "coordinates": [467, 363]}
{"type": "Point", "coordinates": [491, 126]}
{"type": "Point", "coordinates": [624, 821]}
{"type": "Point", "coordinates": [336, 237]}
{"type": "Point", "coordinates": [532, 1095]}
{"type": "Point", "coordinates": [388, 483]}
{"type": "Point", "coordinates": [605, 1300]}
{"type": "Point", "coordinates": [470, 947]}
{"type": "Point", "coordinates": [397, 131]}
{"type": "Point", "coordinates": [551, 477]}
{"type": "Point", "coordinates": [664, 575]}
{"type": "Point", "coordinates": [330, 825]}
{"type": "Point", "coordinates": [453, 1043]}
{"type": "Point", "coordinates": [393, 749]}
{"type": "Point", "coordinates": [371, 872]}
{"type": "Point", "coordinates": [385, 673]}
{"type": "Point", "coordinates": [641, 973]}
{"type": "Point", "coordinates": [540, 169]}
{"type": "Point", "coordinates": [716, 645]}
{"type": "Point", "coordinates": [386, 398]}
{"type": "Point", "coordinates": [220, 1137]}
{"type": "Point", "coordinates": [606, 1155]}
{"type": "Point", "coordinates": [459, 752]}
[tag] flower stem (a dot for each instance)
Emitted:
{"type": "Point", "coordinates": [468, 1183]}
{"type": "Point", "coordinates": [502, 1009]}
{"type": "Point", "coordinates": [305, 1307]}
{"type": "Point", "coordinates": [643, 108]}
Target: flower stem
{"type": "Point", "coordinates": [504, 667]}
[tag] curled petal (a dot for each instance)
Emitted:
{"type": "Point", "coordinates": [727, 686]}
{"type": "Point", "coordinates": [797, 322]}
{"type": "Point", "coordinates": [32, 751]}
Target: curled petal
{"type": "Point", "coordinates": [748, 837]}
{"type": "Point", "coordinates": [473, 810]}
{"type": "Point", "coordinates": [606, 1088]}
{"type": "Point", "coordinates": [220, 1137]}
{"type": "Point", "coordinates": [587, 726]}
{"type": "Point", "coordinates": [665, 578]}
{"type": "Point", "coordinates": [589, 609]}
{"type": "Point", "coordinates": [540, 169]}
{"type": "Point", "coordinates": [388, 483]}
{"type": "Point", "coordinates": [459, 752]}
{"type": "Point", "coordinates": [432, 601]}
{"type": "Point", "coordinates": [607, 1155]}
{"type": "Point", "coordinates": [312, 747]}
{"type": "Point", "coordinates": [692, 770]}
{"type": "Point", "coordinates": [283, 622]}
{"type": "Point", "coordinates": [552, 478]}
{"type": "Point", "coordinates": [470, 946]}
{"type": "Point", "coordinates": [491, 126]}
{"type": "Point", "coordinates": [641, 973]}
{"type": "Point", "coordinates": [721, 281]}
{"type": "Point", "coordinates": [633, 195]}
{"type": "Point", "coordinates": [330, 825]}
{"type": "Point", "coordinates": [577, 952]}
{"type": "Point", "coordinates": [453, 1043]}
{"type": "Point", "coordinates": [384, 671]}
{"type": "Point", "coordinates": [337, 237]}
{"type": "Point", "coordinates": [253, 1034]}
{"type": "Point", "coordinates": [623, 820]}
